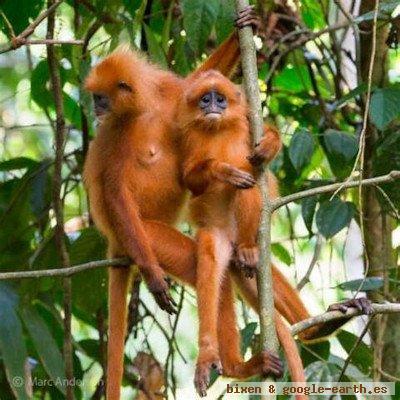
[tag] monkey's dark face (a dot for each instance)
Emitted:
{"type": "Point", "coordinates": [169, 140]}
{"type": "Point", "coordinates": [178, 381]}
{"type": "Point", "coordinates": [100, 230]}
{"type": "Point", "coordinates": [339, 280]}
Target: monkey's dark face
{"type": "Point", "coordinates": [103, 103]}
{"type": "Point", "coordinates": [213, 104]}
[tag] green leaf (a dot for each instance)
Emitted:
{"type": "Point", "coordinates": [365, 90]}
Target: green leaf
{"type": "Point", "coordinates": [89, 288]}
{"type": "Point", "coordinates": [12, 343]}
{"type": "Point", "coordinates": [225, 18]}
{"type": "Point", "coordinates": [311, 352]}
{"type": "Point", "coordinates": [308, 206]}
{"type": "Point", "coordinates": [301, 148]}
{"type": "Point", "coordinates": [360, 89]}
{"type": "Point", "coordinates": [199, 17]}
{"type": "Point", "coordinates": [45, 345]}
{"type": "Point", "coordinates": [295, 79]}
{"type": "Point", "coordinates": [385, 106]}
{"type": "Point", "coordinates": [281, 253]}
{"type": "Point", "coordinates": [322, 371]}
{"type": "Point", "coordinates": [363, 285]}
{"type": "Point", "coordinates": [17, 163]}
{"type": "Point", "coordinates": [333, 216]}
{"type": "Point", "coordinates": [155, 50]}
{"type": "Point", "coordinates": [246, 335]}
{"type": "Point", "coordinates": [362, 356]}
{"type": "Point", "coordinates": [20, 14]}
{"type": "Point", "coordinates": [341, 150]}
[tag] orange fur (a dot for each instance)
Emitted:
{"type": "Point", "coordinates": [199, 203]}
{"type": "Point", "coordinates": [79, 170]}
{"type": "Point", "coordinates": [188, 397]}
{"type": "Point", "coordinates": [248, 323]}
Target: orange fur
{"type": "Point", "coordinates": [212, 117]}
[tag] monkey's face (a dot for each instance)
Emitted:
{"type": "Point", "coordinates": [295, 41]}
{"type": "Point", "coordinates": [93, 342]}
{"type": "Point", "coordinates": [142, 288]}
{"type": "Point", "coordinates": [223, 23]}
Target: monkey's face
{"type": "Point", "coordinates": [104, 103]}
{"type": "Point", "coordinates": [213, 105]}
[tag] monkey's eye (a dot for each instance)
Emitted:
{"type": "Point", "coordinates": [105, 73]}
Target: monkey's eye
{"type": "Point", "coordinates": [205, 99]}
{"type": "Point", "coordinates": [124, 86]}
{"type": "Point", "coordinates": [220, 99]}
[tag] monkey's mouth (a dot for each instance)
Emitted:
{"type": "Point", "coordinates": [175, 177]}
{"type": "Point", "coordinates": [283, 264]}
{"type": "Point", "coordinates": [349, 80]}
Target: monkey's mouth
{"type": "Point", "coordinates": [213, 115]}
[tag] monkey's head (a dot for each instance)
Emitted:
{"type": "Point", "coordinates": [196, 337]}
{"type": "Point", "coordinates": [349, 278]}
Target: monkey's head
{"type": "Point", "coordinates": [117, 83]}
{"type": "Point", "coordinates": [212, 100]}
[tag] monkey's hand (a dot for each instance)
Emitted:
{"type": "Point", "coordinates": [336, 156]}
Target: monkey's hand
{"type": "Point", "coordinates": [271, 364]}
{"type": "Point", "coordinates": [159, 288]}
{"type": "Point", "coordinates": [362, 304]}
{"type": "Point", "coordinates": [248, 17]}
{"type": "Point", "coordinates": [227, 173]}
{"type": "Point", "coordinates": [247, 256]}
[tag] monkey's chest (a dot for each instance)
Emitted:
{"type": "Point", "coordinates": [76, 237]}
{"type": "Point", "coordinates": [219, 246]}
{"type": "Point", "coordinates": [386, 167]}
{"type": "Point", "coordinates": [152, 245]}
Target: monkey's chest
{"type": "Point", "coordinates": [149, 154]}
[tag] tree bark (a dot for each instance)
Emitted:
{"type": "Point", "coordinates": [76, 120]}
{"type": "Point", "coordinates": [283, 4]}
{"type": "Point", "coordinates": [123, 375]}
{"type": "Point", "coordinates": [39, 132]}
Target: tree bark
{"type": "Point", "coordinates": [378, 225]}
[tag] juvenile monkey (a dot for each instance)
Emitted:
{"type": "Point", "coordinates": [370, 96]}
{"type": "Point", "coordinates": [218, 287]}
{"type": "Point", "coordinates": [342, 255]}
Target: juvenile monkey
{"type": "Point", "coordinates": [215, 138]}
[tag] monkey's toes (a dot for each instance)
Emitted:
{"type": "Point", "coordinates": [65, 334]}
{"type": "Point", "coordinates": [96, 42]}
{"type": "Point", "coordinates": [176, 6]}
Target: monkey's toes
{"type": "Point", "coordinates": [271, 364]}
{"type": "Point", "coordinates": [362, 304]}
{"type": "Point", "coordinates": [162, 297]}
{"type": "Point", "coordinates": [202, 375]}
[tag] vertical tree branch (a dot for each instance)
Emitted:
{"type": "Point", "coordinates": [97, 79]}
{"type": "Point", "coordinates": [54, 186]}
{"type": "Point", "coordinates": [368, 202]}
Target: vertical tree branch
{"type": "Point", "coordinates": [264, 281]}
{"type": "Point", "coordinates": [59, 142]}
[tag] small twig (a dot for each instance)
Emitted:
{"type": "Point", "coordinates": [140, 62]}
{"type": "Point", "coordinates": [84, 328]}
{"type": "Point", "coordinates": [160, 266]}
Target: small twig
{"type": "Point", "coordinates": [390, 177]}
{"type": "Point", "coordinates": [387, 308]}
{"type": "Point", "coordinates": [317, 252]}
{"type": "Point", "coordinates": [20, 40]}
{"type": "Point", "coordinates": [64, 272]}
{"type": "Point", "coordinates": [354, 348]}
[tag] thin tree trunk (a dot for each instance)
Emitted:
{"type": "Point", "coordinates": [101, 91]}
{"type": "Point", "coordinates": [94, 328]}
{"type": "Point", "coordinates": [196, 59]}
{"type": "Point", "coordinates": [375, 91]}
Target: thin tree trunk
{"type": "Point", "coordinates": [378, 226]}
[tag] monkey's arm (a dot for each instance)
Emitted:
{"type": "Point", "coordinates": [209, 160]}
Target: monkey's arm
{"type": "Point", "coordinates": [130, 234]}
{"type": "Point", "coordinates": [198, 175]}
{"type": "Point", "coordinates": [226, 57]}
{"type": "Point", "coordinates": [268, 148]}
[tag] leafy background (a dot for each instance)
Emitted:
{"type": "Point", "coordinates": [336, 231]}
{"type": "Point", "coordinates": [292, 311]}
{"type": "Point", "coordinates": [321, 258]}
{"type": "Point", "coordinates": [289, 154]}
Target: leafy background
{"type": "Point", "coordinates": [309, 94]}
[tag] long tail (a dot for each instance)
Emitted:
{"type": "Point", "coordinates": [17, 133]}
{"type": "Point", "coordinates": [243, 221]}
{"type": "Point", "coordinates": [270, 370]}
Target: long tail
{"type": "Point", "coordinates": [119, 284]}
{"type": "Point", "coordinates": [293, 359]}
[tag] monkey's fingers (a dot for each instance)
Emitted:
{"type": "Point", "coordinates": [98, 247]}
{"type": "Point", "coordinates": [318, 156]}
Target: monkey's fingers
{"type": "Point", "coordinates": [241, 179]}
{"type": "Point", "coordinates": [247, 17]}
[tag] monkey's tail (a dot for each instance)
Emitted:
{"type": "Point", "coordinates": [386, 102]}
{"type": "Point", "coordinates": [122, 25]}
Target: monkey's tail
{"type": "Point", "coordinates": [119, 284]}
{"type": "Point", "coordinates": [293, 359]}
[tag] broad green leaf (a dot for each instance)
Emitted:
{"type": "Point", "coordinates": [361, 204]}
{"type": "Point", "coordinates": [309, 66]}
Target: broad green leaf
{"type": "Point", "coordinates": [45, 345]}
{"type": "Point", "coordinates": [12, 345]}
{"type": "Point", "coordinates": [199, 17]}
{"type": "Point", "coordinates": [17, 163]}
{"type": "Point", "coordinates": [226, 18]}
{"type": "Point", "coordinates": [40, 190]}
{"type": "Point", "coordinates": [295, 79]}
{"type": "Point", "coordinates": [321, 371]}
{"type": "Point", "coordinates": [89, 288]}
{"type": "Point", "coordinates": [308, 206]}
{"type": "Point", "coordinates": [341, 150]}
{"type": "Point", "coordinates": [19, 14]}
{"type": "Point", "coordinates": [385, 106]}
{"type": "Point", "coordinates": [364, 285]}
{"type": "Point", "coordinates": [301, 148]}
{"type": "Point", "coordinates": [362, 356]}
{"type": "Point", "coordinates": [311, 352]}
{"type": "Point", "coordinates": [246, 335]}
{"type": "Point", "coordinates": [281, 253]}
{"type": "Point", "coordinates": [156, 52]}
{"type": "Point", "coordinates": [360, 89]}
{"type": "Point", "coordinates": [332, 216]}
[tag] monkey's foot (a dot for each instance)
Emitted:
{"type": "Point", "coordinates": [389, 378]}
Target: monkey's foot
{"type": "Point", "coordinates": [248, 256]}
{"type": "Point", "coordinates": [159, 288]}
{"type": "Point", "coordinates": [362, 304]}
{"type": "Point", "coordinates": [202, 374]}
{"type": "Point", "coordinates": [271, 364]}
{"type": "Point", "coordinates": [260, 155]}
{"type": "Point", "coordinates": [247, 17]}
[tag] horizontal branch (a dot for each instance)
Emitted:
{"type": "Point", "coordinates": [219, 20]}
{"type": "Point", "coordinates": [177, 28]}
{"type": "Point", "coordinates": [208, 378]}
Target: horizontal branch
{"type": "Point", "coordinates": [386, 308]}
{"type": "Point", "coordinates": [65, 271]}
{"type": "Point", "coordinates": [282, 201]}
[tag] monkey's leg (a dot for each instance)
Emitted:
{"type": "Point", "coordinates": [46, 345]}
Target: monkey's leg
{"type": "Point", "coordinates": [119, 284]}
{"type": "Point", "coordinates": [265, 363]}
{"type": "Point", "coordinates": [214, 253]}
{"type": "Point", "coordinates": [247, 215]}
